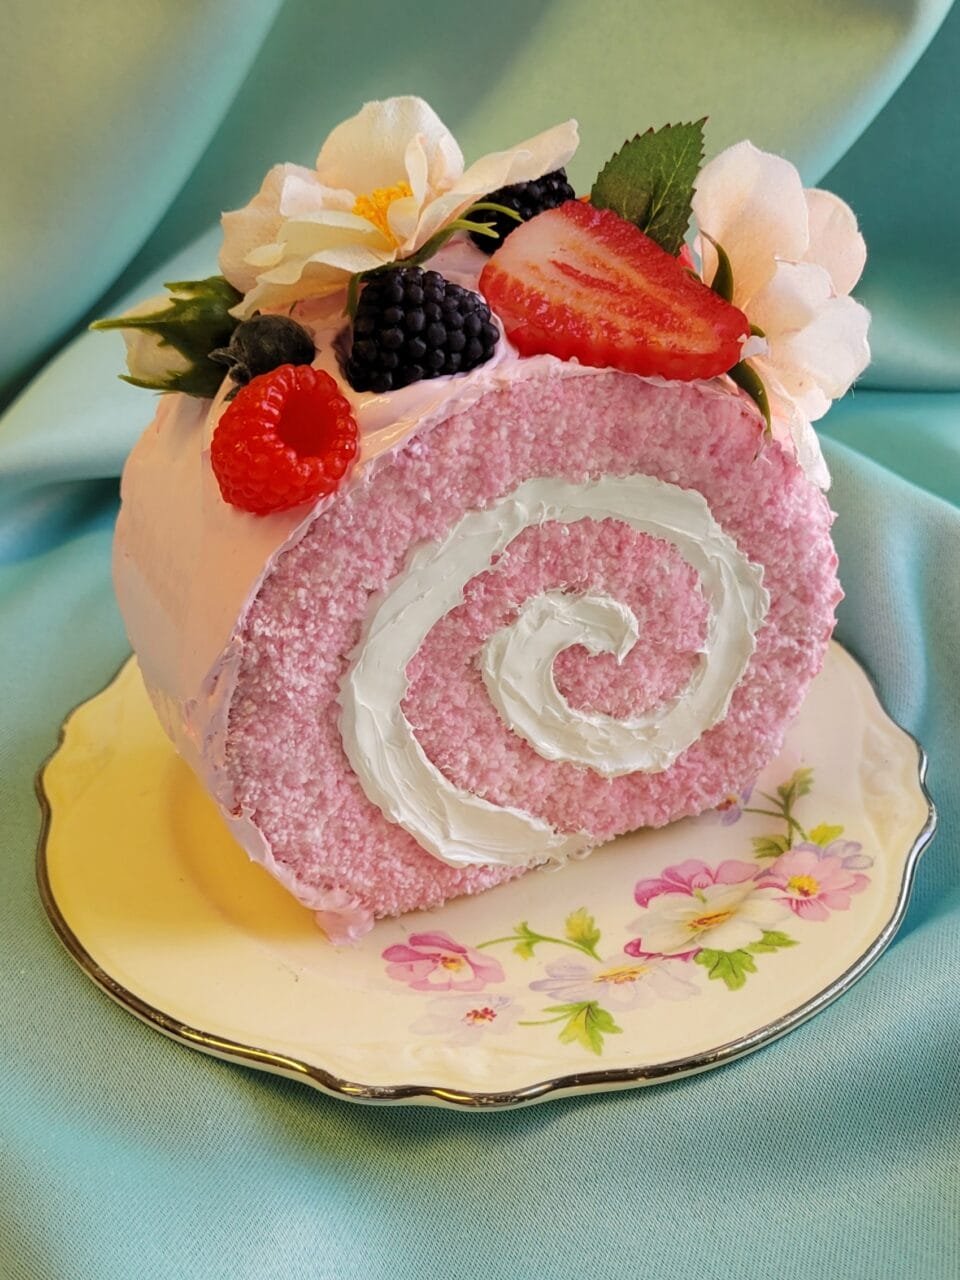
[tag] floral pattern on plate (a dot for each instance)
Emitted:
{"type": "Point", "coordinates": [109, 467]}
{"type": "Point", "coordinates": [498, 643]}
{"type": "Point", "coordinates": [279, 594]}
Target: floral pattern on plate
{"type": "Point", "coordinates": [510, 997]}
{"type": "Point", "coordinates": [699, 923]}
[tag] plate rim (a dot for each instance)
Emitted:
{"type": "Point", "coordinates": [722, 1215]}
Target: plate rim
{"type": "Point", "coordinates": [608, 1079]}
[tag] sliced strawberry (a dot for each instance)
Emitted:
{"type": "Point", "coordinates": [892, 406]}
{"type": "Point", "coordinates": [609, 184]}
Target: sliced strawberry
{"type": "Point", "coordinates": [582, 283]}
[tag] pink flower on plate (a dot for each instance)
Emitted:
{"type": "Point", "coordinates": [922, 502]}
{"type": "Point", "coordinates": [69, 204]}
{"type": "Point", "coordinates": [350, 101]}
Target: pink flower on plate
{"type": "Point", "coordinates": [434, 962]}
{"type": "Point", "coordinates": [692, 906]}
{"type": "Point", "coordinates": [814, 881]}
{"type": "Point", "coordinates": [689, 876]}
{"type": "Point", "coordinates": [467, 1019]}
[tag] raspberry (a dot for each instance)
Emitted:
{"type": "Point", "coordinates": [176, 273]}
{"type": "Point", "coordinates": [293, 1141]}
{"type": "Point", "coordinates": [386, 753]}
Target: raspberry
{"type": "Point", "coordinates": [413, 324]}
{"type": "Point", "coordinates": [263, 343]}
{"type": "Point", "coordinates": [528, 199]}
{"type": "Point", "coordinates": [287, 438]}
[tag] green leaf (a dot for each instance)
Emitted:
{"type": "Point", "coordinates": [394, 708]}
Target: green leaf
{"type": "Point", "coordinates": [770, 846]}
{"type": "Point", "coordinates": [526, 941]}
{"type": "Point", "coordinates": [771, 940]}
{"type": "Point", "coordinates": [649, 181]}
{"type": "Point", "coordinates": [748, 380]}
{"type": "Point", "coordinates": [730, 967]}
{"type": "Point", "coordinates": [587, 1024]}
{"type": "Point", "coordinates": [797, 785]}
{"type": "Point", "coordinates": [824, 833]}
{"type": "Point", "coordinates": [195, 321]}
{"type": "Point", "coordinates": [580, 927]}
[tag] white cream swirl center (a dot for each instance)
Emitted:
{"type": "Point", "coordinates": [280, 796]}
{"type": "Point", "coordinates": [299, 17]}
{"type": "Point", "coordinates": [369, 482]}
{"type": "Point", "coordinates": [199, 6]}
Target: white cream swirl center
{"type": "Point", "coordinates": [460, 828]}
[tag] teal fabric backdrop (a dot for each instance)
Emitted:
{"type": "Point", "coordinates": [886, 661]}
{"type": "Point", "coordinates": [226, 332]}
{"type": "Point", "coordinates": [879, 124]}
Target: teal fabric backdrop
{"type": "Point", "coordinates": [833, 1153]}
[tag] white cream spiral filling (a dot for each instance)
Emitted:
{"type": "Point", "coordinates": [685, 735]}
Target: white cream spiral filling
{"type": "Point", "coordinates": [458, 827]}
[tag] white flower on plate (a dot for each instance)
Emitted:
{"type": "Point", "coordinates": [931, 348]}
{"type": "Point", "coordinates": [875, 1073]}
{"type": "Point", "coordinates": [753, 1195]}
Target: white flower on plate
{"type": "Point", "coordinates": [467, 1019]}
{"type": "Point", "coordinates": [795, 255]}
{"type": "Point", "coordinates": [385, 182]}
{"type": "Point", "coordinates": [722, 917]}
{"type": "Point", "coordinates": [616, 982]}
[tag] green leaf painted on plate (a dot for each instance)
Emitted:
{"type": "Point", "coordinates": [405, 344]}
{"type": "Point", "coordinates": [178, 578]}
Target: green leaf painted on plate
{"type": "Point", "coordinates": [526, 941]}
{"type": "Point", "coordinates": [824, 833]}
{"type": "Point", "coordinates": [771, 940]}
{"type": "Point", "coordinates": [770, 846]}
{"type": "Point", "coordinates": [587, 1023]}
{"type": "Point", "coordinates": [581, 927]}
{"type": "Point", "coordinates": [798, 784]}
{"type": "Point", "coordinates": [730, 967]}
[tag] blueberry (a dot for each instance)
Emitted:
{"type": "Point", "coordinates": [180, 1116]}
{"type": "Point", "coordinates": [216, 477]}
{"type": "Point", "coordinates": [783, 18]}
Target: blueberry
{"type": "Point", "coordinates": [264, 343]}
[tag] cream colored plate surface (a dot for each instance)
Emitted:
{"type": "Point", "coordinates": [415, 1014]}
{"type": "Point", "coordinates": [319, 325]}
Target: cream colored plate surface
{"type": "Point", "coordinates": [665, 953]}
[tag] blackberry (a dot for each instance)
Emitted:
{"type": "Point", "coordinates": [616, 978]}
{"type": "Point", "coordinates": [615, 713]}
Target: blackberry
{"type": "Point", "coordinates": [528, 199]}
{"type": "Point", "coordinates": [264, 343]}
{"type": "Point", "coordinates": [413, 324]}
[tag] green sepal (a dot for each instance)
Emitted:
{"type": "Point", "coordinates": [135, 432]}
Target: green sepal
{"type": "Point", "coordinates": [197, 381]}
{"type": "Point", "coordinates": [748, 380]}
{"type": "Point", "coordinates": [195, 322]}
{"type": "Point", "coordinates": [649, 181]}
{"type": "Point", "coordinates": [722, 282]}
{"type": "Point", "coordinates": [353, 294]}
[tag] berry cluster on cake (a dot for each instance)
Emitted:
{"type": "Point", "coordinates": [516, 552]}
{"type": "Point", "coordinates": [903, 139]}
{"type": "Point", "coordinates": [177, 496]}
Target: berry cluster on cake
{"type": "Point", "coordinates": [480, 522]}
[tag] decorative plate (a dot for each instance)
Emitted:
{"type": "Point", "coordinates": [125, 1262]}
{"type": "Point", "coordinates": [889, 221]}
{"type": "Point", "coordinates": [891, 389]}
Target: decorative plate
{"type": "Point", "coordinates": [665, 953]}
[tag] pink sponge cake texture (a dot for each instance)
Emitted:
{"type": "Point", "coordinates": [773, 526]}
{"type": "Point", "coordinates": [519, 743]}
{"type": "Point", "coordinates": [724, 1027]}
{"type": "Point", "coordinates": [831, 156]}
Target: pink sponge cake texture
{"type": "Point", "coordinates": [286, 772]}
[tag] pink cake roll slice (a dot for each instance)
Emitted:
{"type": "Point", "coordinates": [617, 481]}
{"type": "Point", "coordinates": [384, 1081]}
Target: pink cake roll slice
{"type": "Point", "coordinates": [452, 588]}
{"type": "Point", "coordinates": [379, 633]}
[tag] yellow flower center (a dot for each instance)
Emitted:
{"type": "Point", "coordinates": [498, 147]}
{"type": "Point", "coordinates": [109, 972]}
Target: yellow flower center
{"type": "Point", "coordinates": [805, 886]}
{"type": "Point", "coordinates": [375, 206]}
{"type": "Point", "coordinates": [709, 920]}
{"type": "Point", "coordinates": [476, 1017]}
{"type": "Point", "coordinates": [451, 962]}
{"type": "Point", "coordinates": [622, 973]}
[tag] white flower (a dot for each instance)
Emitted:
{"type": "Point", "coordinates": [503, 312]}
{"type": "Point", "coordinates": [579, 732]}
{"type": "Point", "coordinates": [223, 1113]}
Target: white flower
{"type": "Point", "coordinates": [723, 917]}
{"type": "Point", "coordinates": [795, 256]}
{"type": "Point", "coordinates": [617, 982]}
{"type": "Point", "coordinates": [150, 359]}
{"type": "Point", "coordinates": [385, 181]}
{"type": "Point", "coordinates": [467, 1019]}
